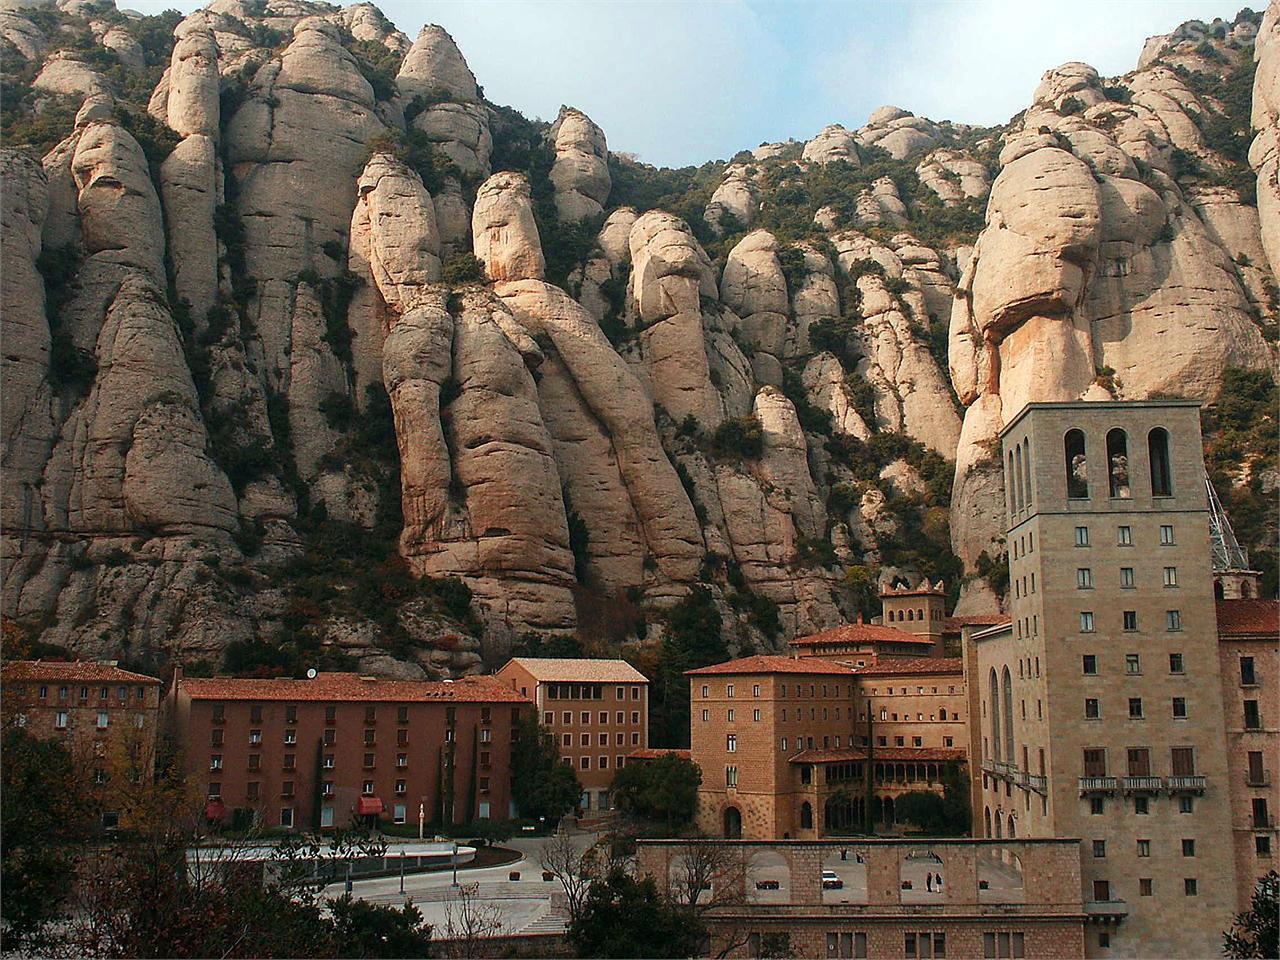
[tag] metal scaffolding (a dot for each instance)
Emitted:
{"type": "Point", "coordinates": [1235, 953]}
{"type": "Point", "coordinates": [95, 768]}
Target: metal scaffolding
{"type": "Point", "coordinates": [1227, 552]}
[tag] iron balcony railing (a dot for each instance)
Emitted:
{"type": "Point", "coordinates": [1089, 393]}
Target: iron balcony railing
{"type": "Point", "coordinates": [1097, 785]}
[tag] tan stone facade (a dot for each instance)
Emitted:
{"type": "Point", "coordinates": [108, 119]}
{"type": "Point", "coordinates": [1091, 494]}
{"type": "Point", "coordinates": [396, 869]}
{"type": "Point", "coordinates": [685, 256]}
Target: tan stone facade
{"type": "Point", "coordinates": [1250, 666]}
{"type": "Point", "coordinates": [1101, 703]}
{"type": "Point", "coordinates": [878, 898]}
{"type": "Point", "coordinates": [786, 744]}
{"type": "Point", "coordinates": [597, 710]}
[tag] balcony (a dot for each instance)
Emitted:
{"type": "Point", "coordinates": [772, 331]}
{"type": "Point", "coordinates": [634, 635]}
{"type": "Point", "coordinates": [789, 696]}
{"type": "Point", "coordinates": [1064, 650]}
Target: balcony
{"type": "Point", "coordinates": [1106, 911]}
{"type": "Point", "coordinates": [1186, 784]}
{"type": "Point", "coordinates": [989, 766]}
{"type": "Point", "coordinates": [1097, 785]}
{"type": "Point", "coordinates": [1040, 784]}
{"type": "Point", "coordinates": [1258, 780]}
{"type": "Point", "coordinates": [1143, 784]}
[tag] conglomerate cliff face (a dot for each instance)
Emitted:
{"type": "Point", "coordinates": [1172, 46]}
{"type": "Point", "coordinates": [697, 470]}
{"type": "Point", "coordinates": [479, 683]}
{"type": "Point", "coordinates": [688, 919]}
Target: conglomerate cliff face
{"type": "Point", "coordinates": [314, 355]}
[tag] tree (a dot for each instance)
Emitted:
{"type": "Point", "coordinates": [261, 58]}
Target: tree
{"type": "Point", "coordinates": [708, 875]}
{"type": "Point", "coordinates": [363, 929]}
{"type": "Point", "coordinates": [692, 639]}
{"type": "Point", "coordinates": [626, 917]}
{"type": "Point", "coordinates": [665, 789]}
{"type": "Point", "coordinates": [574, 868]}
{"type": "Point", "coordinates": [1254, 932]}
{"type": "Point", "coordinates": [469, 923]}
{"type": "Point", "coordinates": [927, 810]}
{"type": "Point", "coordinates": [44, 812]}
{"type": "Point", "coordinates": [542, 787]}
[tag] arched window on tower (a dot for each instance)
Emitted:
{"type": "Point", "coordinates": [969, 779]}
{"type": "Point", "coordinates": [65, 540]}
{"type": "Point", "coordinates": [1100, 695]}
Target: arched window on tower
{"type": "Point", "coordinates": [1006, 707]}
{"type": "Point", "coordinates": [1026, 470]}
{"type": "Point", "coordinates": [1118, 463]}
{"type": "Point", "coordinates": [1077, 465]}
{"type": "Point", "coordinates": [1158, 455]}
{"type": "Point", "coordinates": [996, 739]}
{"type": "Point", "coordinates": [1019, 496]}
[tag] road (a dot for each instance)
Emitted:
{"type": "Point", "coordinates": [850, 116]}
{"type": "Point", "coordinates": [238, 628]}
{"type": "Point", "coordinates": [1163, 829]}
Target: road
{"type": "Point", "coordinates": [523, 906]}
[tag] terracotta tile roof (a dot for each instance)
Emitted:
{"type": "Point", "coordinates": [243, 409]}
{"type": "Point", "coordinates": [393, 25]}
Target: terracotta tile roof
{"type": "Point", "coordinates": [954, 624]}
{"type": "Point", "coordinates": [887, 754]}
{"type": "Point", "coordinates": [653, 753]}
{"type": "Point", "coordinates": [911, 666]}
{"type": "Point", "coordinates": [341, 687]}
{"type": "Point", "coordinates": [580, 670]}
{"type": "Point", "coordinates": [1241, 618]}
{"type": "Point", "coordinates": [860, 633]}
{"type": "Point", "coordinates": [71, 671]}
{"type": "Point", "coordinates": [774, 663]}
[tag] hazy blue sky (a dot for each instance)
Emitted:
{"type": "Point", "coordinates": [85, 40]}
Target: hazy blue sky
{"type": "Point", "coordinates": [685, 81]}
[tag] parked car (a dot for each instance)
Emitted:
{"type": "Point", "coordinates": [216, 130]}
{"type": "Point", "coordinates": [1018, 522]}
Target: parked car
{"type": "Point", "coordinates": [831, 880]}
{"type": "Point", "coordinates": [767, 885]}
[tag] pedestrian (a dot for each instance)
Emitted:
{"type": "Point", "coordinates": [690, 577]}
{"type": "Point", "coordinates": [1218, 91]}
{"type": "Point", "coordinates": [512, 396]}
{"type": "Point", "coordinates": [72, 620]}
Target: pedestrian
{"type": "Point", "coordinates": [928, 882]}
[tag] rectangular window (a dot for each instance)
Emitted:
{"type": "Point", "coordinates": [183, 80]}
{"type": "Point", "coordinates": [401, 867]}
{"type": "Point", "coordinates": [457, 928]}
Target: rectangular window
{"type": "Point", "coordinates": [1144, 887]}
{"type": "Point", "coordinates": [1188, 848]}
{"type": "Point", "coordinates": [1084, 578]}
{"type": "Point", "coordinates": [286, 816]}
{"type": "Point", "coordinates": [327, 763]}
{"type": "Point", "coordinates": [755, 716]}
{"type": "Point", "coordinates": [1132, 663]}
{"type": "Point", "coordinates": [402, 714]}
{"type": "Point", "coordinates": [585, 763]}
{"type": "Point", "coordinates": [1248, 675]}
{"type": "Point", "coordinates": [1091, 711]}
{"type": "Point", "coordinates": [1086, 621]}
{"type": "Point", "coordinates": [289, 761]}
{"type": "Point", "coordinates": [255, 737]}
{"type": "Point", "coordinates": [1139, 762]}
{"type": "Point", "coordinates": [1126, 578]}
{"type": "Point", "coordinates": [1124, 536]}
{"type": "Point", "coordinates": [215, 762]}
{"type": "Point", "coordinates": [103, 720]}
{"type": "Point", "coordinates": [1099, 848]}
{"type": "Point", "coordinates": [1129, 620]}
{"type": "Point", "coordinates": [730, 776]}
{"type": "Point", "coordinates": [1173, 620]}
{"type": "Point", "coordinates": [1261, 819]}
{"type": "Point", "coordinates": [368, 761]}
{"type": "Point", "coordinates": [1257, 776]}
{"type": "Point", "coordinates": [1144, 848]}
{"type": "Point", "coordinates": [330, 737]}
{"type": "Point", "coordinates": [1095, 762]}
{"type": "Point", "coordinates": [1170, 576]}
{"type": "Point", "coordinates": [401, 787]}
{"type": "Point", "coordinates": [1175, 663]}
{"type": "Point", "coordinates": [731, 743]}
{"type": "Point", "coordinates": [1190, 887]}
{"type": "Point", "coordinates": [398, 813]}
{"type": "Point", "coordinates": [1097, 806]}
{"type": "Point", "coordinates": [326, 816]}
{"type": "Point", "coordinates": [290, 736]}
{"type": "Point", "coordinates": [1089, 664]}
{"type": "Point", "coordinates": [1166, 535]}
{"type": "Point", "coordinates": [1102, 890]}
{"type": "Point", "coordinates": [60, 720]}
{"type": "Point", "coordinates": [255, 713]}
{"type": "Point", "coordinates": [286, 788]}
{"type": "Point", "coordinates": [255, 761]}
{"type": "Point", "coordinates": [215, 737]}
{"type": "Point", "coordinates": [728, 691]}
{"type": "Point", "coordinates": [729, 716]}
{"type": "Point", "coordinates": [1082, 536]}
{"type": "Point", "coordinates": [706, 715]}
{"type": "Point", "coordinates": [1186, 804]}
{"type": "Point", "coordinates": [1252, 718]}
{"type": "Point", "coordinates": [1180, 708]}
{"type": "Point", "coordinates": [331, 717]}
{"type": "Point", "coordinates": [1135, 708]}
{"type": "Point", "coordinates": [1262, 846]}
{"type": "Point", "coordinates": [705, 691]}
{"type": "Point", "coordinates": [251, 790]}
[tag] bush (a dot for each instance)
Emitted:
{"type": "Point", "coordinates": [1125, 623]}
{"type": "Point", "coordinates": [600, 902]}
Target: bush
{"type": "Point", "coordinates": [463, 268]}
{"type": "Point", "coordinates": [1071, 106]}
{"type": "Point", "coordinates": [378, 64]}
{"type": "Point", "coordinates": [740, 438]}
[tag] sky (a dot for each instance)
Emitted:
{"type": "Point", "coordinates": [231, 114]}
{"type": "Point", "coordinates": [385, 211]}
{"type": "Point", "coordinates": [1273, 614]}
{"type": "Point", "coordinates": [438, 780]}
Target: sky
{"type": "Point", "coordinates": [680, 82]}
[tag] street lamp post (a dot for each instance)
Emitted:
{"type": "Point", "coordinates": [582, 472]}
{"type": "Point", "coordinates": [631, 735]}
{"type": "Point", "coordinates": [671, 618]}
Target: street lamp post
{"type": "Point", "coordinates": [455, 862]}
{"type": "Point", "coordinates": [422, 819]}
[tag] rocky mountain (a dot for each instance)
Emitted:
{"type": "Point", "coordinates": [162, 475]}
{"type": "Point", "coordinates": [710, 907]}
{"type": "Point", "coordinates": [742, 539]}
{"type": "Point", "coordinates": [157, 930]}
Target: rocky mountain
{"type": "Point", "coordinates": [313, 355]}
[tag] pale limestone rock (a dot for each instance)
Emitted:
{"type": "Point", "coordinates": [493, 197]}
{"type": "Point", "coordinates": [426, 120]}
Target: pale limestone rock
{"type": "Point", "coordinates": [670, 273]}
{"type": "Point", "coordinates": [903, 479]}
{"type": "Point", "coordinates": [404, 242]}
{"type": "Point", "coordinates": [434, 66]}
{"type": "Point", "coordinates": [881, 205]}
{"type": "Point", "coordinates": [453, 220]}
{"type": "Point", "coordinates": [314, 374]}
{"type": "Point", "coordinates": [767, 150]}
{"type": "Point", "coordinates": [366, 22]}
{"type": "Point", "coordinates": [580, 173]}
{"type": "Point", "coordinates": [127, 50]}
{"type": "Point", "coordinates": [193, 85]}
{"type": "Point", "coordinates": [753, 280]}
{"type": "Point", "coordinates": [1264, 153]}
{"type": "Point", "coordinates": [737, 198]}
{"type": "Point", "coordinates": [833, 142]}
{"type": "Point", "coordinates": [1075, 79]}
{"type": "Point", "coordinates": [69, 77]}
{"type": "Point", "coordinates": [189, 186]}
{"type": "Point", "coordinates": [953, 176]}
{"type": "Point", "coordinates": [27, 39]}
{"type": "Point", "coordinates": [826, 385]}
{"type": "Point", "coordinates": [26, 416]}
{"type": "Point", "coordinates": [504, 231]}
{"type": "Point", "coordinates": [119, 210]}
{"type": "Point", "coordinates": [614, 237]}
{"type": "Point", "coordinates": [898, 132]}
{"type": "Point", "coordinates": [133, 454]}
{"type": "Point", "coordinates": [461, 132]}
{"type": "Point", "coordinates": [815, 298]}
{"type": "Point", "coordinates": [507, 535]}
{"type": "Point", "coordinates": [611, 406]}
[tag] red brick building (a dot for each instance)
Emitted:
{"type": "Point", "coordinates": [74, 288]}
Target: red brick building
{"type": "Point", "coordinates": [314, 754]}
{"type": "Point", "coordinates": [106, 716]}
{"type": "Point", "coordinates": [597, 710]}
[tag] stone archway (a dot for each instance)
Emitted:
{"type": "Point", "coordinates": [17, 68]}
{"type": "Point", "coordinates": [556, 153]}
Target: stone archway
{"type": "Point", "coordinates": [732, 823]}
